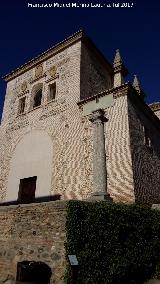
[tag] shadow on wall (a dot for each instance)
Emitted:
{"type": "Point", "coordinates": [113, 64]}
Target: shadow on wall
{"type": "Point", "coordinates": [37, 200]}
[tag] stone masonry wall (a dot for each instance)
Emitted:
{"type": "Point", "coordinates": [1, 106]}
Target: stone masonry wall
{"type": "Point", "coordinates": [60, 118]}
{"type": "Point", "coordinates": [145, 158]}
{"type": "Point", "coordinates": [117, 147]}
{"type": "Point", "coordinates": [34, 232]}
{"type": "Point", "coordinates": [118, 154]}
{"type": "Point", "coordinates": [95, 77]}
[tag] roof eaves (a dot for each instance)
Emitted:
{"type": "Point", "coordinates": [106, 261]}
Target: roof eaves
{"type": "Point", "coordinates": [45, 55]}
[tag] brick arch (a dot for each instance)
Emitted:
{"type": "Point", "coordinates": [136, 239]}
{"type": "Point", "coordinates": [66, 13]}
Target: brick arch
{"type": "Point", "coordinates": [32, 156]}
{"type": "Point", "coordinates": [35, 89]}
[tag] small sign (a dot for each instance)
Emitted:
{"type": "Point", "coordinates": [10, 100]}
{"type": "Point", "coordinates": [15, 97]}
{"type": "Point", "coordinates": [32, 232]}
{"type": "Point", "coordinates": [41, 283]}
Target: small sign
{"type": "Point", "coordinates": [73, 259]}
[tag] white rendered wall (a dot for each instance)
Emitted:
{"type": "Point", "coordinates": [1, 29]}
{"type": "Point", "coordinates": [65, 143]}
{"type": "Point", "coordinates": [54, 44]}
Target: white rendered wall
{"type": "Point", "coordinates": [32, 157]}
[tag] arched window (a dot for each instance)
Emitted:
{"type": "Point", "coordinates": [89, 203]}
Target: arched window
{"type": "Point", "coordinates": [36, 96]}
{"type": "Point", "coordinates": [22, 102]}
{"type": "Point", "coordinates": [52, 92]}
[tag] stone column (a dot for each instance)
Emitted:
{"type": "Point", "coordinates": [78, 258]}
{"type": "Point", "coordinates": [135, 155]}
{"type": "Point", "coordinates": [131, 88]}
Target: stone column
{"type": "Point", "coordinates": [99, 156]}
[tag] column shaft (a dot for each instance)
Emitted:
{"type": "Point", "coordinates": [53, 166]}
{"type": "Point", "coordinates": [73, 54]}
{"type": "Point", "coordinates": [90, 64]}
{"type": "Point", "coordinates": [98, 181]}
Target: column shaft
{"type": "Point", "coordinates": [99, 156]}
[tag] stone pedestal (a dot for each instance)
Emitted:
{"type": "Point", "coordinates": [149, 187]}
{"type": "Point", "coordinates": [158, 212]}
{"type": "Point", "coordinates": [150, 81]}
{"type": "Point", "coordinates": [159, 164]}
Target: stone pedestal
{"type": "Point", "coordinates": [156, 206]}
{"type": "Point", "coordinates": [99, 156]}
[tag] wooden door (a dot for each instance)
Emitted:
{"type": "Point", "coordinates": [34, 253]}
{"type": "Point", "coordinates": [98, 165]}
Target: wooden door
{"type": "Point", "coordinates": [27, 190]}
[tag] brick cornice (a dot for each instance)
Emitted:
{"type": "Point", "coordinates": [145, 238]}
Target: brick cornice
{"type": "Point", "coordinates": [81, 35]}
{"type": "Point", "coordinates": [142, 106]}
{"type": "Point", "coordinates": [33, 80]}
{"type": "Point", "coordinates": [127, 90]}
{"type": "Point", "coordinates": [155, 106]}
{"type": "Point", "coordinates": [44, 56]}
{"type": "Point", "coordinates": [117, 92]}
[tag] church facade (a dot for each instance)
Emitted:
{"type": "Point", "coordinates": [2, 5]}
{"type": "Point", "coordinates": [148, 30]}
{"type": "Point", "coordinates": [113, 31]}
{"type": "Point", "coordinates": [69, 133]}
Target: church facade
{"type": "Point", "coordinates": [72, 128]}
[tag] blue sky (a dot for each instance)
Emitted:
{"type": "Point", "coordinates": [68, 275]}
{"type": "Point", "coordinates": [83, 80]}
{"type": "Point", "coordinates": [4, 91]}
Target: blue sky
{"type": "Point", "coordinates": [26, 32]}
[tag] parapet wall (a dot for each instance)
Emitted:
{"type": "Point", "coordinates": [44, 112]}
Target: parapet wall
{"type": "Point", "coordinates": [33, 232]}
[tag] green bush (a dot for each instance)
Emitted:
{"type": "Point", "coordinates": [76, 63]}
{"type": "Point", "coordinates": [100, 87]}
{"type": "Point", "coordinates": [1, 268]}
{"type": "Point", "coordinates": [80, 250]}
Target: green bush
{"type": "Point", "coordinates": [114, 243]}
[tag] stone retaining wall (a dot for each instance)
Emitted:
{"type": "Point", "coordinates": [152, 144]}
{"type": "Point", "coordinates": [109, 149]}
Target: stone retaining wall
{"type": "Point", "coordinates": [34, 232]}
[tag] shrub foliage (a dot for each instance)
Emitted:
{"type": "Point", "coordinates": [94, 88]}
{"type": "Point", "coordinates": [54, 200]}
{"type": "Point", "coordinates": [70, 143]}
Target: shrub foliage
{"type": "Point", "coordinates": [114, 243]}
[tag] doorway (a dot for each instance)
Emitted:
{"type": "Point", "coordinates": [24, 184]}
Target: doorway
{"type": "Point", "coordinates": [33, 272]}
{"type": "Point", "coordinates": [27, 188]}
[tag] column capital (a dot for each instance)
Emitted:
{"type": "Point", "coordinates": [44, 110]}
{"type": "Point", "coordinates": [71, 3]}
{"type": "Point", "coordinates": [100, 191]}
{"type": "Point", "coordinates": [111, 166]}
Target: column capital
{"type": "Point", "coordinates": [97, 116]}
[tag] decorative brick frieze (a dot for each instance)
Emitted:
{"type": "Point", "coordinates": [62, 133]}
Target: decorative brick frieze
{"type": "Point", "coordinates": [52, 78]}
{"type": "Point", "coordinates": [23, 94]}
{"type": "Point", "coordinates": [24, 88]}
{"type": "Point", "coordinates": [33, 80]}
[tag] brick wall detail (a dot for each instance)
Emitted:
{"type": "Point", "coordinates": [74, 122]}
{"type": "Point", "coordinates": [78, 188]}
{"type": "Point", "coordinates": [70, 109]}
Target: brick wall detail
{"type": "Point", "coordinates": [145, 159]}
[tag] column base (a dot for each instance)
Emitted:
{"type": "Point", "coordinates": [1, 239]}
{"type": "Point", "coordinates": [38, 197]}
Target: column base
{"type": "Point", "coordinates": [101, 196]}
{"type": "Point", "coordinates": [156, 206]}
